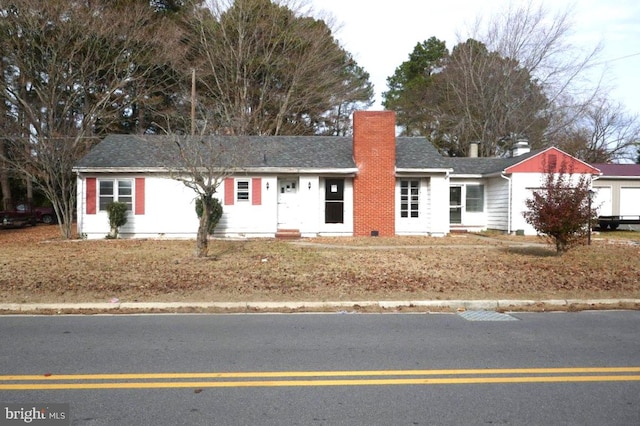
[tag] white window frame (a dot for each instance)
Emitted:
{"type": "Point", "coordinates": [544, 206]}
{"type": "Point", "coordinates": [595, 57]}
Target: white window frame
{"type": "Point", "coordinates": [481, 199]}
{"type": "Point", "coordinates": [118, 185]}
{"type": "Point", "coordinates": [410, 201]}
{"type": "Point", "coordinates": [246, 192]}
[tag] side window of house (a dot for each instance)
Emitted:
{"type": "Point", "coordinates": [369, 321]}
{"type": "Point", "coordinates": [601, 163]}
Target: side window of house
{"type": "Point", "coordinates": [409, 198]}
{"type": "Point", "coordinates": [475, 198]}
{"type": "Point", "coordinates": [334, 201]}
{"type": "Point", "coordinates": [111, 190]}
{"type": "Point", "coordinates": [242, 190]}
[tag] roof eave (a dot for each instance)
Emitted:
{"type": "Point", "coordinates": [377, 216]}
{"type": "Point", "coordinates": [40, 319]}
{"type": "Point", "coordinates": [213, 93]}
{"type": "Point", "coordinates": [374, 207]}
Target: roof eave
{"type": "Point", "coordinates": [610, 177]}
{"type": "Point", "coordinates": [121, 170]}
{"type": "Point", "coordinates": [350, 171]}
{"type": "Point", "coordinates": [408, 170]}
{"type": "Point", "coordinates": [467, 176]}
{"type": "Point", "coordinates": [262, 170]}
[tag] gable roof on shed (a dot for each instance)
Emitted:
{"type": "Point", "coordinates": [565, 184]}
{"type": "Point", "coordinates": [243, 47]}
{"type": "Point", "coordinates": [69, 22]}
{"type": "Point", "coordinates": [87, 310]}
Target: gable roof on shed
{"type": "Point", "coordinates": [618, 170]}
{"type": "Point", "coordinates": [552, 158]}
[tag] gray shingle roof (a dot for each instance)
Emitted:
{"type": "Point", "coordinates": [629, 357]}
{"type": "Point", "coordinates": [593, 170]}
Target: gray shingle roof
{"type": "Point", "coordinates": [131, 151]}
{"type": "Point", "coordinates": [484, 165]}
{"type": "Point", "coordinates": [295, 152]}
{"type": "Point", "coordinates": [418, 153]}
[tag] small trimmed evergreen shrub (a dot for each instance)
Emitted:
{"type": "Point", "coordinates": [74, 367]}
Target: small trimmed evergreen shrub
{"type": "Point", "coordinates": [117, 213]}
{"type": "Point", "coordinates": [214, 215]}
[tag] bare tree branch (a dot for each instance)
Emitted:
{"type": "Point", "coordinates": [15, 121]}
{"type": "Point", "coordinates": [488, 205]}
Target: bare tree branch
{"type": "Point", "coordinates": [67, 72]}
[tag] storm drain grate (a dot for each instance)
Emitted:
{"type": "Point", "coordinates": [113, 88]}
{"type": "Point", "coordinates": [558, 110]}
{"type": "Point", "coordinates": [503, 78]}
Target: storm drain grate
{"type": "Point", "coordinates": [486, 316]}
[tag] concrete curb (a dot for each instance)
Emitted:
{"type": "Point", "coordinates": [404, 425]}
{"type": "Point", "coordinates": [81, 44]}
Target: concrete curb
{"type": "Point", "coordinates": [328, 306]}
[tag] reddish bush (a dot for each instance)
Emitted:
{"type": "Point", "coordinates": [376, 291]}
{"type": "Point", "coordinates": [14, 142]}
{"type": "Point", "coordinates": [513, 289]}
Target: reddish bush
{"type": "Point", "coordinates": [560, 208]}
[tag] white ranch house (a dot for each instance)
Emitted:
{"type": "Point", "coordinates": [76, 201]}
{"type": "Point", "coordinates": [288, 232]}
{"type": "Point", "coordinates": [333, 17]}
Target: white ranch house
{"type": "Point", "coordinates": [371, 184]}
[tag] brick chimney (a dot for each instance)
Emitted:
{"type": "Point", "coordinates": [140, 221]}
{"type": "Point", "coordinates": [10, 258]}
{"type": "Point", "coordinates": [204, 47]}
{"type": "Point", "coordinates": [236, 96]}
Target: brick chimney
{"type": "Point", "coordinates": [374, 152]}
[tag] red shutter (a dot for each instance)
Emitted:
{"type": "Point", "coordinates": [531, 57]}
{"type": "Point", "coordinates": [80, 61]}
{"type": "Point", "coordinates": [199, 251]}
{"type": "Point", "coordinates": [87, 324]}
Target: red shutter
{"type": "Point", "coordinates": [228, 191]}
{"type": "Point", "coordinates": [256, 191]}
{"type": "Point", "coordinates": [139, 203]}
{"type": "Point", "coordinates": [91, 196]}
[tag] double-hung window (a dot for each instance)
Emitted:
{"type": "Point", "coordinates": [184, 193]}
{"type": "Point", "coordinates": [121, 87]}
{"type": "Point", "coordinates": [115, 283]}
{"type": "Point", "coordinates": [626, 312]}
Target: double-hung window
{"type": "Point", "coordinates": [242, 190]}
{"type": "Point", "coordinates": [409, 198]}
{"type": "Point", "coordinates": [475, 198]}
{"type": "Point", "coordinates": [110, 190]}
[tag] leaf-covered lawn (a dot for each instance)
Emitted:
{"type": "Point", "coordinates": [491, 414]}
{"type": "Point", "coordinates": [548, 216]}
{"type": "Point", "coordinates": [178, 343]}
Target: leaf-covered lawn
{"type": "Point", "coordinates": [36, 266]}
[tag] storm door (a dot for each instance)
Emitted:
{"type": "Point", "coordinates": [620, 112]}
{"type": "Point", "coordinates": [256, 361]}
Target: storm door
{"type": "Point", "coordinates": [455, 205]}
{"type": "Point", "coordinates": [288, 214]}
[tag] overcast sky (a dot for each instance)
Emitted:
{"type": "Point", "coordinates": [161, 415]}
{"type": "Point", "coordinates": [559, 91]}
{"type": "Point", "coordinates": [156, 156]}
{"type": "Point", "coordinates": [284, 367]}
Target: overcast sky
{"type": "Point", "coordinates": [382, 33]}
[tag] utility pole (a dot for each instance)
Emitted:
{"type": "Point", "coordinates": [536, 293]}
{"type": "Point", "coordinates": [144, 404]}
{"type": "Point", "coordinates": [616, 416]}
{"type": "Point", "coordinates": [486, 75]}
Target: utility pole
{"type": "Point", "coordinates": [193, 102]}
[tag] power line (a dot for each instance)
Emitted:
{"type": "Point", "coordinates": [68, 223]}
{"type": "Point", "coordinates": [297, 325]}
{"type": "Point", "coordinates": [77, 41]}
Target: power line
{"type": "Point", "coordinates": [619, 58]}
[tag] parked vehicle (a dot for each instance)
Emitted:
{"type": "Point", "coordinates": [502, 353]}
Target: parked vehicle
{"type": "Point", "coordinates": [612, 222]}
{"type": "Point", "coordinates": [23, 215]}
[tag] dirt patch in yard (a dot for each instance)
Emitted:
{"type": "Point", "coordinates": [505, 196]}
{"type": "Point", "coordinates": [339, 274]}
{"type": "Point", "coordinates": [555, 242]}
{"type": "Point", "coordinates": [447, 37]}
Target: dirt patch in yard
{"type": "Point", "coordinates": [36, 266]}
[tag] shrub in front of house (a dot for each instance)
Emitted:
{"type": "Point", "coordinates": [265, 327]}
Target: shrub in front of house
{"type": "Point", "coordinates": [117, 213]}
{"type": "Point", "coordinates": [214, 215]}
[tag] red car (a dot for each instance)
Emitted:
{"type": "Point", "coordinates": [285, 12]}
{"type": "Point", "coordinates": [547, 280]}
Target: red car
{"type": "Point", "coordinates": [23, 215]}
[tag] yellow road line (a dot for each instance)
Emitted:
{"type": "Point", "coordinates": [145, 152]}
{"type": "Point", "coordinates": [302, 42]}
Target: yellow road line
{"type": "Point", "coordinates": [290, 374]}
{"type": "Point", "coordinates": [306, 383]}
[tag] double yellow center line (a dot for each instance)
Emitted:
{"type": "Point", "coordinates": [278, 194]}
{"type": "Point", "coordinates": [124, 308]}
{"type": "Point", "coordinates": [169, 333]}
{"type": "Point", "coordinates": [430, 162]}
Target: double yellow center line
{"type": "Point", "coordinates": [317, 378]}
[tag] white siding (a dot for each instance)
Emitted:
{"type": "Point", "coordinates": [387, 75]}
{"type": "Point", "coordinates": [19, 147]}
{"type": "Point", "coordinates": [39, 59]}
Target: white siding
{"type": "Point", "coordinates": [244, 219]}
{"type": "Point", "coordinates": [417, 225]}
{"type": "Point", "coordinates": [522, 188]}
{"type": "Point", "coordinates": [439, 201]}
{"type": "Point", "coordinates": [522, 185]}
{"type": "Point", "coordinates": [471, 221]}
{"type": "Point", "coordinates": [317, 226]}
{"type": "Point", "coordinates": [169, 212]}
{"type": "Point", "coordinates": [497, 202]}
{"type": "Point", "coordinates": [310, 205]}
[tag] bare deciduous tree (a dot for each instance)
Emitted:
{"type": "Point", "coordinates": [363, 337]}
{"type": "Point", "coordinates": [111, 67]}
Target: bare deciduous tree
{"type": "Point", "coordinates": [517, 76]}
{"type": "Point", "coordinates": [67, 68]}
{"type": "Point", "coordinates": [487, 98]}
{"type": "Point", "coordinates": [267, 69]}
{"type": "Point", "coordinates": [202, 163]}
{"type": "Point", "coordinates": [540, 43]}
{"type": "Point", "coordinates": [607, 133]}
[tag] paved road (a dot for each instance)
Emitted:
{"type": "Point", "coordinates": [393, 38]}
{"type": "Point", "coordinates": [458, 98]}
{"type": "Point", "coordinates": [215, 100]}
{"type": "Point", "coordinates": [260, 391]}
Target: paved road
{"type": "Point", "coordinates": [338, 369]}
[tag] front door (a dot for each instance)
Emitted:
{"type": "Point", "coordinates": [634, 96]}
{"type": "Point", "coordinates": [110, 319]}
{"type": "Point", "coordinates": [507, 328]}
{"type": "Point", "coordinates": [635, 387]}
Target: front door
{"type": "Point", "coordinates": [455, 205]}
{"type": "Point", "coordinates": [288, 215]}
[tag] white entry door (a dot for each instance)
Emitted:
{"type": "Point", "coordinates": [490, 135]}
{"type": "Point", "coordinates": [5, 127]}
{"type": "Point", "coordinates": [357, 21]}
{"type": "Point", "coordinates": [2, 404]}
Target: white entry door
{"type": "Point", "coordinates": [288, 214]}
